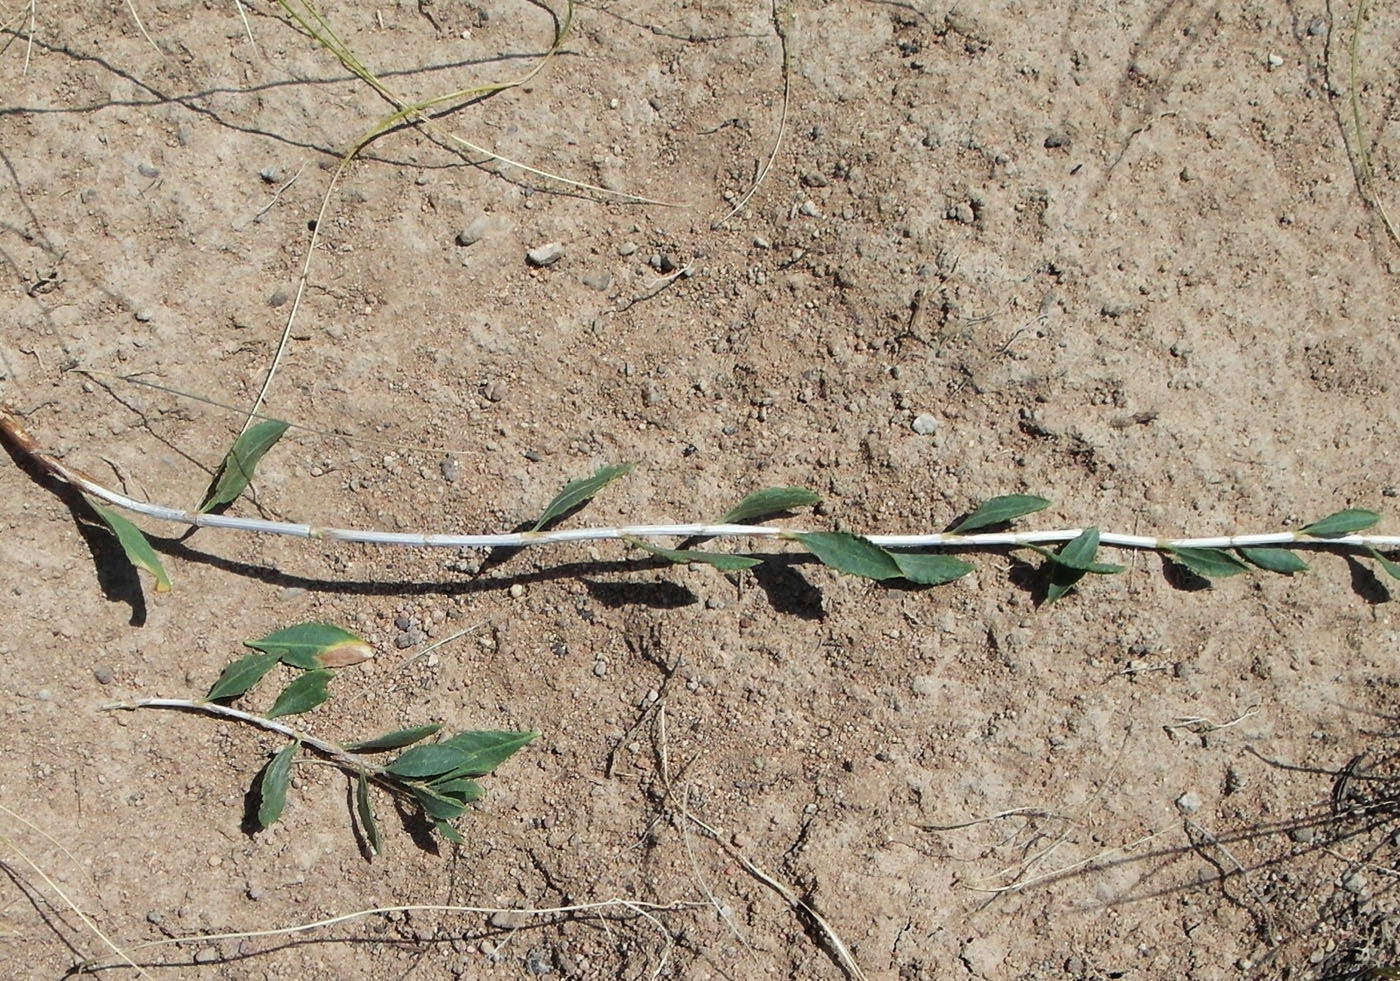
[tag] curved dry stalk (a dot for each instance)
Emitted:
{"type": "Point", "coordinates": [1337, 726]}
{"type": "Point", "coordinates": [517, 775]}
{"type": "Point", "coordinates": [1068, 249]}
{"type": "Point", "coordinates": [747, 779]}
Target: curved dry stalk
{"type": "Point", "coordinates": [1363, 155]}
{"type": "Point", "coordinates": [637, 907]}
{"type": "Point", "coordinates": [58, 890]}
{"type": "Point", "coordinates": [782, 21]}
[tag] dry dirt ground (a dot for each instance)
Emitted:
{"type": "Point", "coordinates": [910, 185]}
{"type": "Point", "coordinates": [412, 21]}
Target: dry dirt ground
{"type": "Point", "coordinates": [1118, 254]}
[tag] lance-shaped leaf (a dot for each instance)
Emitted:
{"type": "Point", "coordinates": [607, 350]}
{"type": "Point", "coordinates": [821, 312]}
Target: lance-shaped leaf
{"type": "Point", "coordinates": [999, 510]}
{"type": "Point", "coordinates": [1392, 569]}
{"type": "Point", "coordinates": [1346, 522]}
{"type": "Point", "coordinates": [314, 645]}
{"type": "Point", "coordinates": [448, 832]}
{"type": "Point", "coordinates": [767, 502]}
{"type": "Point", "coordinates": [723, 561]}
{"type": "Point", "coordinates": [850, 554]}
{"type": "Point", "coordinates": [394, 740]}
{"type": "Point", "coordinates": [366, 813]}
{"type": "Point", "coordinates": [1212, 563]}
{"type": "Point", "coordinates": [273, 782]}
{"type": "Point", "coordinates": [240, 462]}
{"type": "Point", "coordinates": [460, 788]}
{"type": "Point", "coordinates": [1073, 562]}
{"type": "Point", "coordinates": [578, 492]}
{"type": "Point", "coordinates": [134, 544]}
{"type": "Point", "coordinates": [432, 760]}
{"type": "Point", "coordinates": [483, 751]}
{"type": "Point", "coordinates": [930, 569]}
{"type": "Point", "coordinates": [241, 675]}
{"type": "Point", "coordinates": [303, 694]}
{"type": "Point", "coordinates": [440, 807]}
{"type": "Point", "coordinates": [1274, 559]}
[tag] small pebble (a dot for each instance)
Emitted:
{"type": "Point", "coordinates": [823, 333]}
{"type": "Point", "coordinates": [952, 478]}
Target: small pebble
{"type": "Point", "coordinates": [450, 469]}
{"type": "Point", "coordinates": [925, 424]}
{"type": "Point", "coordinates": [600, 668]}
{"type": "Point", "coordinates": [1317, 27]}
{"type": "Point", "coordinates": [627, 248]}
{"type": "Point", "coordinates": [277, 298]}
{"type": "Point", "coordinates": [403, 621]}
{"type": "Point", "coordinates": [599, 281]}
{"type": "Point", "coordinates": [1355, 884]}
{"type": "Point", "coordinates": [545, 255]}
{"type": "Point", "coordinates": [143, 316]}
{"type": "Point", "coordinates": [1056, 140]}
{"type": "Point", "coordinates": [103, 675]}
{"type": "Point", "coordinates": [1274, 61]}
{"type": "Point", "coordinates": [153, 917]}
{"type": "Point", "coordinates": [270, 175]}
{"type": "Point", "coordinates": [537, 962]}
{"type": "Point", "coordinates": [808, 208]}
{"type": "Point", "coordinates": [516, 591]}
{"type": "Point", "coordinates": [509, 919]}
{"type": "Point", "coordinates": [495, 391]}
{"type": "Point", "coordinates": [206, 955]}
{"type": "Point", "coordinates": [408, 638]}
{"type": "Point", "coordinates": [473, 233]}
{"type": "Point", "coordinates": [759, 242]}
{"type": "Point", "coordinates": [1188, 803]}
{"type": "Point", "coordinates": [146, 170]}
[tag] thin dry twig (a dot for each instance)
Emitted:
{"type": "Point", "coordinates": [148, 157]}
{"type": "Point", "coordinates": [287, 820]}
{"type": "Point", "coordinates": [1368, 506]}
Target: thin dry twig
{"type": "Point", "coordinates": [782, 22]}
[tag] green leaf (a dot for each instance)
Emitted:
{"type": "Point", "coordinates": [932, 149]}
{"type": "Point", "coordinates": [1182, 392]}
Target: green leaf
{"type": "Point", "coordinates": [431, 760]}
{"type": "Point", "coordinates": [133, 542]}
{"type": "Point", "coordinates": [1392, 568]}
{"type": "Point", "coordinates": [999, 510]}
{"type": "Point", "coordinates": [483, 751]}
{"type": "Point", "coordinates": [1071, 563]}
{"type": "Point", "coordinates": [929, 569]}
{"type": "Point", "coordinates": [314, 645]}
{"type": "Point", "coordinates": [1212, 563]}
{"type": "Point", "coordinates": [438, 806]}
{"type": "Point", "coordinates": [1080, 558]}
{"type": "Point", "coordinates": [579, 492]}
{"type": "Point", "coordinates": [273, 782]}
{"type": "Point", "coordinates": [241, 675]}
{"type": "Point", "coordinates": [366, 813]}
{"type": "Point", "coordinates": [302, 695]}
{"type": "Point", "coordinates": [767, 502]}
{"type": "Point", "coordinates": [1274, 559]}
{"type": "Point", "coordinates": [1341, 523]}
{"type": "Point", "coordinates": [850, 554]}
{"type": "Point", "coordinates": [394, 740]}
{"type": "Point", "coordinates": [448, 832]}
{"type": "Point", "coordinates": [237, 469]}
{"type": "Point", "coordinates": [725, 562]}
{"type": "Point", "coordinates": [461, 788]}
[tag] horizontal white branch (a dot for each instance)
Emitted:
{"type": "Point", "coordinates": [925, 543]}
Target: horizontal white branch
{"type": "Point", "coordinates": [946, 540]}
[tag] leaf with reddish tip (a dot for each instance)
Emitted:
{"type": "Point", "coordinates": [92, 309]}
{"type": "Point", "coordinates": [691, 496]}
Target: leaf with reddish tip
{"type": "Point", "coordinates": [314, 645]}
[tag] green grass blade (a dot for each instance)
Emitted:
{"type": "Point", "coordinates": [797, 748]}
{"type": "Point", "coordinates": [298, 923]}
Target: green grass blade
{"type": "Point", "coordinates": [723, 561]}
{"type": "Point", "coordinates": [1000, 510]}
{"type": "Point", "coordinates": [929, 569]}
{"type": "Point", "coordinates": [1212, 563]}
{"type": "Point", "coordinates": [134, 544]}
{"type": "Point", "coordinates": [579, 492]}
{"type": "Point", "coordinates": [366, 813]}
{"type": "Point", "coordinates": [1338, 523]}
{"type": "Point", "coordinates": [236, 471]}
{"type": "Point", "coordinates": [850, 554]}
{"type": "Point", "coordinates": [273, 782]}
{"type": "Point", "coordinates": [768, 502]}
{"type": "Point", "coordinates": [314, 645]}
{"type": "Point", "coordinates": [241, 675]}
{"type": "Point", "coordinates": [1274, 560]}
{"type": "Point", "coordinates": [397, 739]}
{"type": "Point", "coordinates": [303, 694]}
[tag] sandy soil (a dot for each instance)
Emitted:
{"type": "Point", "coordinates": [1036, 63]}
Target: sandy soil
{"type": "Point", "coordinates": [1117, 252]}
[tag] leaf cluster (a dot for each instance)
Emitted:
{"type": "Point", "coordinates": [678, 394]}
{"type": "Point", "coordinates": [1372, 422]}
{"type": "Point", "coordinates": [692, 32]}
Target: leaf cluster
{"type": "Point", "coordinates": [437, 779]}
